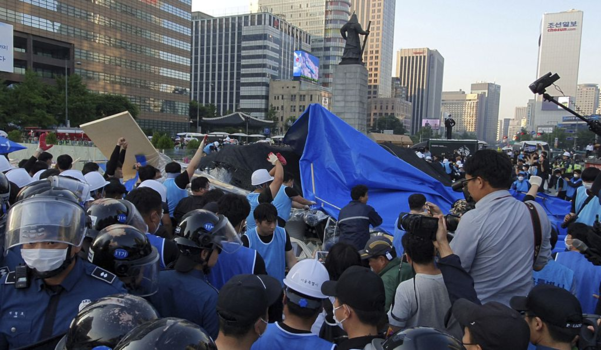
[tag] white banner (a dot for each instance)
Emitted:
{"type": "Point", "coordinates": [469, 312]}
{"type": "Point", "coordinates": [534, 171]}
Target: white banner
{"type": "Point", "coordinates": [6, 48]}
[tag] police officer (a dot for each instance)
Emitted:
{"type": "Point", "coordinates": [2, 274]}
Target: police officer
{"type": "Point", "coordinates": [140, 213]}
{"type": "Point", "coordinates": [167, 333]}
{"type": "Point", "coordinates": [126, 252]}
{"type": "Point", "coordinates": [4, 206]}
{"type": "Point", "coordinates": [39, 300]}
{"type": "Point", "coordinates": [185, 291]}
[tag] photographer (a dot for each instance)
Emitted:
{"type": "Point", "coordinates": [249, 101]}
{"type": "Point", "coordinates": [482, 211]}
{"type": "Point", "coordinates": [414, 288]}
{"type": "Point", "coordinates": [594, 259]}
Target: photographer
{"type": "Point", "coordinates": [419, 206]}
{"type": "Point", "coordinates": [497, 251]}
{"type": "Point", "coordinates": [584, 208]}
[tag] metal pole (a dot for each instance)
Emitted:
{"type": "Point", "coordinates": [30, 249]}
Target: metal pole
{"type": "Point", "coordinates": [66, 95]}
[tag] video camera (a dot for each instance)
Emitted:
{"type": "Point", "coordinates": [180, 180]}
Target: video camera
{"type": "Point", "coordinates": [425, 226]}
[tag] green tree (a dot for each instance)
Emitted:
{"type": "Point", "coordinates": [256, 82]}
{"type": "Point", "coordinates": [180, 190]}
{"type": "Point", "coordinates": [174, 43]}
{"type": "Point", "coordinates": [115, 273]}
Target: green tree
{"type": "Point", "coordinates": [272, 114]}
{"type": "Point", "coordinates": [15, 136]}
{"type": "Point", "coordinates": [466, 136]}
{"type": "Point", "coordinates": [193, 144]}
{"type": "Point", "coordinates": [4, 104]}
{"type": "Point", "coordinates": [390, 122]}
{"type": "Point", "coordinates": [82, 108]}
{"type": "Point", "coordinates": [51, 138]}
{"type": "Point", "coordinates": [524, 135]}
{"type": "Point", "coordinates": [30, 103]}
{"type": "Point", "coordinates": [155, 139]}
{"type": "Point", "coordinates": [108, 104]}
{"type": "Point", "coordinates": [289, 122]}
{"type": "Point", "coordinates": [424, 134]}
{"type": "Point", "coordinates": [211, 111]}
{"type": "Point", "coordinates": [165, 142]}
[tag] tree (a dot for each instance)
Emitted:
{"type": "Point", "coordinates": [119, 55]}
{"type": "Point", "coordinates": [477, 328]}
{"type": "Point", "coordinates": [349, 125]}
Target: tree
{"type": "Point", "coordinates": [211, 111]}
{"type": "Point", "coordinates": [15, 136]}
{"type": "Point", "coordinates": [193, 144]}
{"type": "Point", "coordinates": [165, 142]}
{"type": "Point", "coordinates": [30, 103]}
{"type": "Point", "coordinates": [155, 139]}
{"type": "Point", "coordinates": [390, 122]}
{"type": "Point", "coordinates": [108, 104]}
{"type": "Point", "coordinates": [289, 122]}
{"type": "Point", "coordinates": [424, 134]}
{"type": "Point", "coordinates": [82, 103]}
{"type": "Point", "coordinates": [51, 138]}
{"type": "Point", "coordinates": [466, 136]}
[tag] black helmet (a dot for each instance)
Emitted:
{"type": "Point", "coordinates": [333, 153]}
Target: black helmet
{"type": "Point", "coordinates": [46, 188]}
{"type": "Point", "coordinates": [105, 321]}
{"type": "Point", "coordinates": [108, 211]}
{"type": "Point", "coordinates": [419, 338]}
{"type": "Point", "coordinates": [127, 252]}
{"type": "Point", "coordinates": [167, 333]}
{"type": "Point", "coordinates": [201, 229]}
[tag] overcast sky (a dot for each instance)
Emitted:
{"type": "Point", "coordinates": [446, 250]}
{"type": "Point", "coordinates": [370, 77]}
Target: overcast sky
{"type": "Point", "coordinates": [480, 40]}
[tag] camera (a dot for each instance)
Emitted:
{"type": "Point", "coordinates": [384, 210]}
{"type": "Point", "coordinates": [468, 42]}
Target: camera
{"type": "Point", "coordinates": [542, 83]}
{"type": "Point", "coordinates": [425, 226]}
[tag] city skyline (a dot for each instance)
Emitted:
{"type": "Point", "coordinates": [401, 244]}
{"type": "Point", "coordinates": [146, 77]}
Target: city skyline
{"type": "Point", "coordinates": [501, 49]}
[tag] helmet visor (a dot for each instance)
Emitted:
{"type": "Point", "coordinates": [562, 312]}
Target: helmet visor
{"type": "Point", "coordinates": [45, 219]}
{"type": "Point", "coordinates": [142, 276]}
{"type": "Point", "coordinates": [81, 189]}
{"type": "Point", "coordinates": [135, 218]}
{"type": "Point", "coordinates": [226, 237]}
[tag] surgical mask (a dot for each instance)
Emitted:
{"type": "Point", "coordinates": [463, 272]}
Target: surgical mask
{"type": "Point", "coordinates": [44, 260]}
{"type": "Point", "coordinates": [576, 176]}
{"type": "Point", "coordinates": [568, 246]}
{"type": "Point", "coordinates": [520, 178]}
{"type": "Point", "coordinates": [587, 185]}
{"type": "Point", "coordinates": [338, 323]}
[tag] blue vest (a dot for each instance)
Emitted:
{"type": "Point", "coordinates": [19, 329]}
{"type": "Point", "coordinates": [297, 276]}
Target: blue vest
{"type": "Point", "coordinates": [282, 203]}
{"type": "Point", "coordinates": [572, 191]}
{"type": "Point", "coordinates": [241, 261]}
{"type": "Point", "coordinates": [447, 167]}
{"type": "Point", "coordinates": [522, 186]}
{"type": "Point", "coordinates": [556, 275]}
{"type": "Point", "coordinates": [273, 252]}
{"type": "Point", "coordinates": [174, 194]}
{"type": "Point", "coordinates": [396, 240]}
{"type": "Point", "coordinates": [159, 244]}
{"type": "Point", "coordinates": [277, 338]}
{"type": "Point", "coordinates": [207, 149]}
{"type": "Point", "coordinates": [253, 199]}
{"type": "Point", "coordinates": [588, 278]}
{"type": "Point", "coordinates": [588, 215]}
{"type": "Point", "coordinates": [564, 187]}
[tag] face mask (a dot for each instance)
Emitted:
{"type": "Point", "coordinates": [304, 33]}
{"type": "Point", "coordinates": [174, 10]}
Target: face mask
{"type": "Point", "coordinates": [568, 246]}
{"type": "Point", "coordinates": [44, 260]}
{"type": "Point", "coordinates": [587, 185]}
{"type": "Point", "coordinates": [338, 323]}
{"type": "Point", "coordinates": [576, 176]}
{"type": "Point", "coordinates": [520, 178]}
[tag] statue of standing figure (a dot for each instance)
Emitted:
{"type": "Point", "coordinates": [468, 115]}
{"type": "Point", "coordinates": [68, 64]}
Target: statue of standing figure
{"type": "Point", "coordinates": [353, 50]}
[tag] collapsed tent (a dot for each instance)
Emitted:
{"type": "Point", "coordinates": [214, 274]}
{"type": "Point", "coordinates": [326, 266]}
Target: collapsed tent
{"type": "Point", "coordinates": [241, 161]}
{"type": "Point", "coordinates": [335, 157]}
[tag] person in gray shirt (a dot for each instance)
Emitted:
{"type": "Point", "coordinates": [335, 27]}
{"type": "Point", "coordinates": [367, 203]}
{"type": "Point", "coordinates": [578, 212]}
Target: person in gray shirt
{"type": "Point", "coordinates": [495, 241]}
{"type": "Point", "coordinates": [422, 301]}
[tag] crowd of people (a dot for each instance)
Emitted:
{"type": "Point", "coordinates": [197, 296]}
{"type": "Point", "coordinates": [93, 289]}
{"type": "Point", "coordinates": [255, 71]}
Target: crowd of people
{"type": "Point", "coordinates": [177, 264]}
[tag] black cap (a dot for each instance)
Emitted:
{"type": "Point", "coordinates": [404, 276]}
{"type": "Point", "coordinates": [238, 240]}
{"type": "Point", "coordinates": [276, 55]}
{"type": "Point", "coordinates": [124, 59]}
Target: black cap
{"type": "Point", "coordinates": [245, 298]}
{"type": "Point", "coordinates": [359, 288]}
{"type": "Point", "coordinates": [551, 304]}
{"type": "Point", "coordinates": [376, 246]}
{"type": "Point", "coordinates": [493, 325]}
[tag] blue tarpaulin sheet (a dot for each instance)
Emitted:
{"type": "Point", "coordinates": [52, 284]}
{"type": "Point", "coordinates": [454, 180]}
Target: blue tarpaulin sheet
{"type": "Point", "coordinates": [336, 157]}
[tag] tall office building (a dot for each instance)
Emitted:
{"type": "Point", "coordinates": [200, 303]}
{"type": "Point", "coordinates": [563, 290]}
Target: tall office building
{"type": "Point", "coordinates": [492, 94]}
{"type": "Point", "coordinates": [139, 49]}
{"type": "Point", "coordinates": [587, 99]}
{"type": "Point", "coordinates": [322, 19]}
{"type": "Point", "coordinates": [378, 52]}
{"type": "Point", "coordinates": [559, 52]}
{"type": "Point", "coordinates": [504, 129]}
{"type": "Point", "coordinates": [467, 110]}
{"type": "Point", "coordinates": [235, 58]}
{"type": "Point", "coordinates": [421, 71]}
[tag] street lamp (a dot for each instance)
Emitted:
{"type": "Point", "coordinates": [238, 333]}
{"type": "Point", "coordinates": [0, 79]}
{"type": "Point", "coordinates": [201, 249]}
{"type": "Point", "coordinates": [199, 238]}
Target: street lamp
{"type": "Point", "coordinates": [67, 124]}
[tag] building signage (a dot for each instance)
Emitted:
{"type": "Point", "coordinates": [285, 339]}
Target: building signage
{"type": "Point", "coordinates": [6, 48]}
{"type": "Point", "coordinates": [562, 26]}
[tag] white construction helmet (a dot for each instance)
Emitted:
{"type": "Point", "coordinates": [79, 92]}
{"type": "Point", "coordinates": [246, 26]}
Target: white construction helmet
{"type": "Point", "coordinates": [306, 277]}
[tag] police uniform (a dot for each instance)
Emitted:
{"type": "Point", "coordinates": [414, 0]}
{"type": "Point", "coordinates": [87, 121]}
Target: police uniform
{"type": "Point", "coordinates": [23, 311]}
{"type": "Point", "coordinates": [188, 296]}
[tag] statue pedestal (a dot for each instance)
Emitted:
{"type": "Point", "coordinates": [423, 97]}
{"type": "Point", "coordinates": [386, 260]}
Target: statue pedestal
{"type": "Point", "coordinates": [349, 95]}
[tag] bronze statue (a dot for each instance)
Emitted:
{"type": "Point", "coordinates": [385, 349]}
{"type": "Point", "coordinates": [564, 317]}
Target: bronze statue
{"type": "Point", "coordinates": [353, 50]}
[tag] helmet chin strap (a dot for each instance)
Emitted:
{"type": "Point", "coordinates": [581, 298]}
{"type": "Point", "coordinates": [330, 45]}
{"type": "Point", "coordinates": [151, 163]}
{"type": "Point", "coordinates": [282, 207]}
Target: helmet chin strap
{"type": "Point", "coordinates": [49, 274]}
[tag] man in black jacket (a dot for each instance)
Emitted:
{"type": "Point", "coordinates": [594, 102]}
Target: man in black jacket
{"type": "Point", "coordinates": [354, 219]}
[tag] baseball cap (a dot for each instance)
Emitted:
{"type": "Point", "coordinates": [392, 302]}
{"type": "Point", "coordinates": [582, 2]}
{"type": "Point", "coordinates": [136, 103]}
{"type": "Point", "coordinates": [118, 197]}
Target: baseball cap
{"type": "Point", "coordinates": [359, 288]}
{"type": "Point", "coordinates": [551, 304]}
{"type": "Point", "coordinates": [376, 246]}
{"type": "Point", "coordinates": [245, 298]}
{"type": "Point", "coordinates": [260, 177]}
{"type": "Point", "coordinates": [492, 325]}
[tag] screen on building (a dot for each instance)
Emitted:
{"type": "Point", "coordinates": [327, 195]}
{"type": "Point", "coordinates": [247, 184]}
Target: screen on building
{"type": "Point", "coordinates": [306, 66]}
{"type": "Point", "coordinates": [433, 123]}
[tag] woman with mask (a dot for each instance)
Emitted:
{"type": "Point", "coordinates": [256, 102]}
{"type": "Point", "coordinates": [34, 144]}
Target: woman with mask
{"type": "Point", "coordinates": [585, 209]}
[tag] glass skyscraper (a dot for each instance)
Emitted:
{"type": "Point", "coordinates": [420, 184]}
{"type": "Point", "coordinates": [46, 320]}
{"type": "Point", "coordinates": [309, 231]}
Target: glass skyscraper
{"type": "Point", "coordinates": [136, 48]}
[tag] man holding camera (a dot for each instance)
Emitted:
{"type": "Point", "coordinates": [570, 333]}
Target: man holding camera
{"type": "Point", "coordinates": [496, 240]}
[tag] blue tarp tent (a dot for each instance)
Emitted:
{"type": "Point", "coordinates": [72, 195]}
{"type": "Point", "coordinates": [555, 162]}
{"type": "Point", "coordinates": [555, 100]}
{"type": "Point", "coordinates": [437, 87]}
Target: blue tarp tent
{"type": "Point", "coordinates": [336, 157]}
